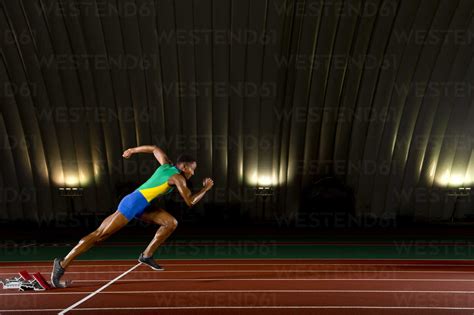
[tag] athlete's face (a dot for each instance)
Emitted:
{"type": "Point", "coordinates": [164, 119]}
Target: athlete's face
{"type": "Point", "coordinates": [188, 169]}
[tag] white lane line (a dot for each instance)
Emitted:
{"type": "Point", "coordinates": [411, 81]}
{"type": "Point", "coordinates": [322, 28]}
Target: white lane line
{"type": "Point", "coordinates": [272, 259]}
{"type": "Point", "coordinates": [319, 264]}
{"type": "Point", "coordinates": [279, 306]}
{"type": "Point", "coordinates": [277, 279]}
{"type": "Point", "coordinates": [249, 264]}
{"type": "Point", "coordinates": [98, 290]}
{"type": "Point", "coordinates": [270, 271]}
{"type": "Point", "coordinates": [88, 309]}
{"type": "Point", "coordinates": [246, 264]}
{"type": "Point", "coordinates": [28, 245]}
{"type": "Point", "coordinates": [244, 291]}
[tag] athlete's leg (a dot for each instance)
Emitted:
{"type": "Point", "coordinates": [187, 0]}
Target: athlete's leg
{"type": "Point", "coordinates": [167, 225]}
{"type": "Point", "coordinates": [109, 226]}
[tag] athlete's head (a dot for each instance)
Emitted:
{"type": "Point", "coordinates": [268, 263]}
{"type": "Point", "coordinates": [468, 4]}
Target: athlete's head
{"type": "Point", "coordinates": [186, 164]}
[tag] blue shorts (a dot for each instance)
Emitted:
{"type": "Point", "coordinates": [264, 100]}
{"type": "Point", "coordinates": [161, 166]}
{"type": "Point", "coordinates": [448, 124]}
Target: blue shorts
{"type": "Point", "coordinates": [133, 205]}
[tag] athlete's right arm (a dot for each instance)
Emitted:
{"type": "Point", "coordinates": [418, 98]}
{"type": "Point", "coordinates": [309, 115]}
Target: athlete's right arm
{"type": "Point", "coordinates": [160, 155]}
{"type": "Point", "coordinates": [184, 191]}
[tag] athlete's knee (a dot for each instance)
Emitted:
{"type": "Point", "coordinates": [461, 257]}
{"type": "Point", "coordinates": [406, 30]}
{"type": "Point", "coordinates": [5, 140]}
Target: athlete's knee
{"type": "Point", "coordinates": [171, 224]}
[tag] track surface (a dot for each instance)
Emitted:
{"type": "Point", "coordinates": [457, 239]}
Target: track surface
{"type": "Point", "coordinates": [273, 286]}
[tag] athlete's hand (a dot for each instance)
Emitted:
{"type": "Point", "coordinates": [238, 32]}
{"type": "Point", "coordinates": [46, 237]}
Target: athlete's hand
{"type": "Point", "coordinates": [208, 183]}
{"type": "Point", "coordinates": [127, 154]}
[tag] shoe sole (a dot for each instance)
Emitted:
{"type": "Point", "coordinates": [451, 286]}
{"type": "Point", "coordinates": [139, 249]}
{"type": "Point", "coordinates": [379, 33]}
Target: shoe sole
{"type": "Point", "coordinates": [162, 269]}
{"type": "Point", "coordinates": [52, 275]}
{"type": "Point", "coordinates": [52, 282]}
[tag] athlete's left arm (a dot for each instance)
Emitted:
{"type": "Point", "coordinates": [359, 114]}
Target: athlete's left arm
{"type": "Point", "coordinates": [159, 154]}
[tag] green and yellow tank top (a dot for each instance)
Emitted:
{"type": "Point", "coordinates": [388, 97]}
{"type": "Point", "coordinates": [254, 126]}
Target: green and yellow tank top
{"type": "Point", "coordinates": [157, 185]}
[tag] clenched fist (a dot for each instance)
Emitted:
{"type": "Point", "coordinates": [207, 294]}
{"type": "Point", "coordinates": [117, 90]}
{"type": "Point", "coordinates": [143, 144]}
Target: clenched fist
{"type": "Point", "coordinates": [208, 183]}
{"type": "Point", "coordinates": [127, 154]}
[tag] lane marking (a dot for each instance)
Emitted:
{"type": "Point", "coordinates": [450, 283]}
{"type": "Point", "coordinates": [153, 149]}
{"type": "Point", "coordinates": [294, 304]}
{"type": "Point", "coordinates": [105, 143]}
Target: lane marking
{"type": "Point", "coordinates": [246, 307]}
{"type": "Point", "coordinates": [243, 291]}
{"type": "Point", "coordinates": [269, 271]}
{"type": "Point", "coordinates": [282, 306]}
{"type": "Point", "coordinates": [273, 259]}
{"type": "Point", "coordinates": [98, 290]}
{"type": "Point", "coordinates": [395, 243]}
{"type": "Point", "coordinates": [276, 279]}
{"type": "Point", "coordinates": [250, 264]}
{"type": "Point", "coordinates": [28, 245]}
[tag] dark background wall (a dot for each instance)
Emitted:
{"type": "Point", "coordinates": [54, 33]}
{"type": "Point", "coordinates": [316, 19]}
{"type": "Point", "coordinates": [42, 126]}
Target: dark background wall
{"type": "Point", "coordinates": [376, 95]}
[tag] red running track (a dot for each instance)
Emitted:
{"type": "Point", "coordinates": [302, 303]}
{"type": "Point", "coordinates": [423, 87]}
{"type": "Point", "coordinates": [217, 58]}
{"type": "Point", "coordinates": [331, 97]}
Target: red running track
{"type": "Point", "coordinates": [252, 287]}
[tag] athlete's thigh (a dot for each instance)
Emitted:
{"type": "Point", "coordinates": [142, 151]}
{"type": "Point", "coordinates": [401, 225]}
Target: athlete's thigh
{"type": "Point", "coordinates": [157, 216]}
{"type": "Point", "coordinates": [113, 223]}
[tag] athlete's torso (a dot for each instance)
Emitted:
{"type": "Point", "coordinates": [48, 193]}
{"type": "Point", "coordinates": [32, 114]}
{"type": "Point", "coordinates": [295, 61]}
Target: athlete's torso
{"type": "Point", "coordinates": [158, 185]}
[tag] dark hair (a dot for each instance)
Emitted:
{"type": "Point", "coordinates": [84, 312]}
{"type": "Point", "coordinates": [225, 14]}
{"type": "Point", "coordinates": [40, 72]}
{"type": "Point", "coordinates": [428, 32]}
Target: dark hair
{"type": "Point", "coordinates": [185, 158]}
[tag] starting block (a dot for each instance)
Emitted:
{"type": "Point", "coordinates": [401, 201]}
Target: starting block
{"type": "Point", "coordinates": [25, 275]}
{"type": "Point", "coordinates": [41, 281]}
{"type": "Point", "coordinates": [26, 282]}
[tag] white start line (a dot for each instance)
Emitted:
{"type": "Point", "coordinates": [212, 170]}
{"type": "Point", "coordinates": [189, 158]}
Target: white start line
{"type": "Point", "coordinates": [99, 290]}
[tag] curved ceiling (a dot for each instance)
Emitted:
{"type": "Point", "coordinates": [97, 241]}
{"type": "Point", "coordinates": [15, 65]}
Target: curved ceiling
{"type": "Point", "coordinates": [262, 92]}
